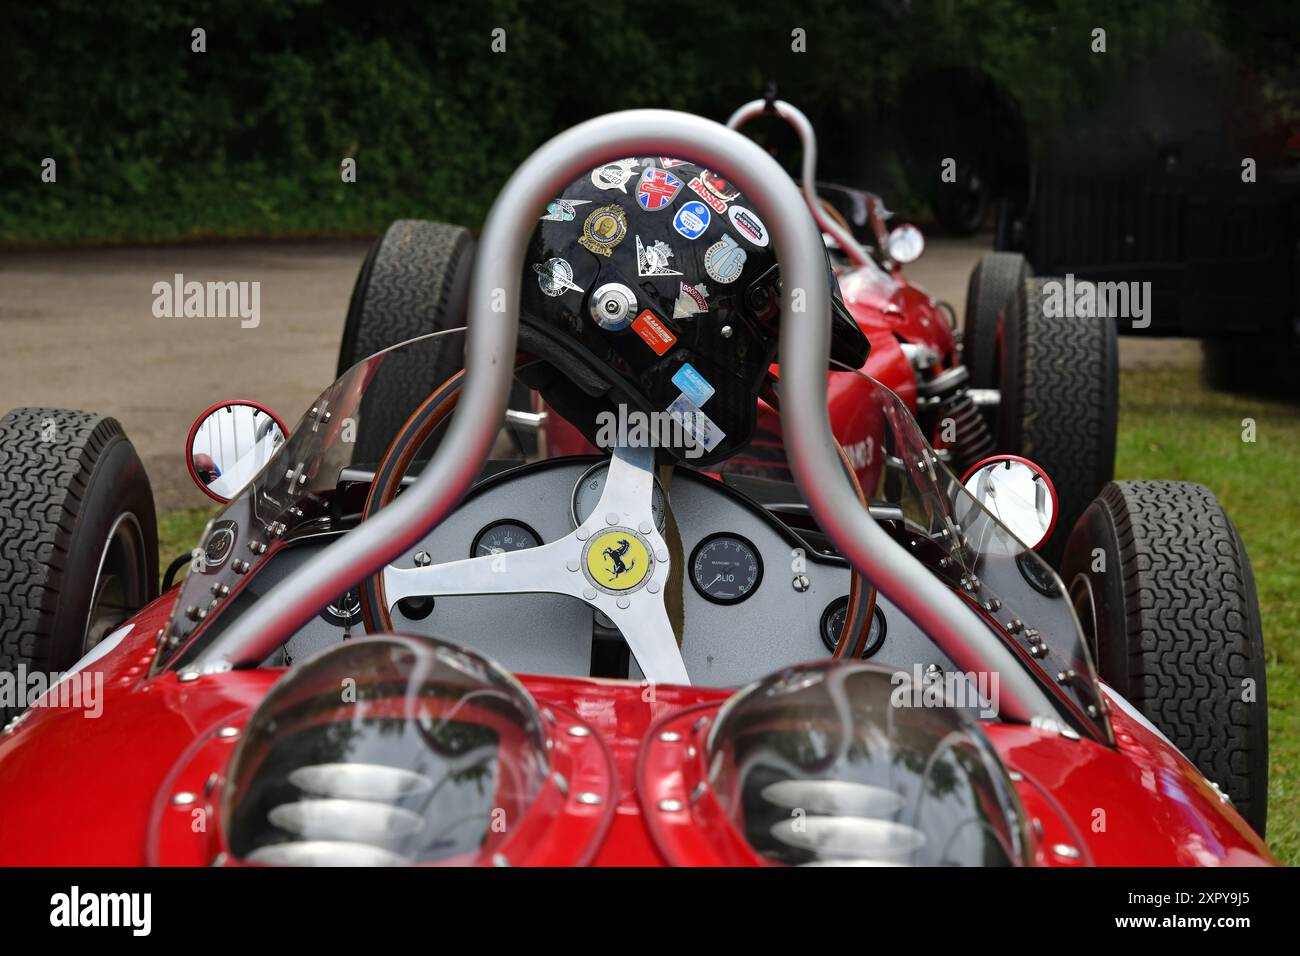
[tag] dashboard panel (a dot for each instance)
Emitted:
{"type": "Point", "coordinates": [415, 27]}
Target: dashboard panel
{"type": "Point", "coordinates": [752, 595]}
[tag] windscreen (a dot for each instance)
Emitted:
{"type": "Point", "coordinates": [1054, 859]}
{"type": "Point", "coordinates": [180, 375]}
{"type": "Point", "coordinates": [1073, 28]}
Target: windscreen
{"type": "Point", "coordinates": [315, 482]}
{"type": "Point", "coordinates": [923, 505]}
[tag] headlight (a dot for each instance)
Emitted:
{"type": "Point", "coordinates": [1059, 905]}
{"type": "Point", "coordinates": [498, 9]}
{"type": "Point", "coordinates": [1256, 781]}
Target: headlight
{"type": "Point", "coordinates": [826, 764]}
{"type": "Point", "coordinates": [381, 751]}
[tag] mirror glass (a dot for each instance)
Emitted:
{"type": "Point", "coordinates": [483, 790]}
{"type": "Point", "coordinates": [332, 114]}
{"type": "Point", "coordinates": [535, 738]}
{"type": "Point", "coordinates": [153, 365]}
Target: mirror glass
{"type": "Point", "coordinates": [1018, 493]}
{"type": "Point", "coordinates": [905, 243]}
{"type": "Point", "coordinates": [229, 444]}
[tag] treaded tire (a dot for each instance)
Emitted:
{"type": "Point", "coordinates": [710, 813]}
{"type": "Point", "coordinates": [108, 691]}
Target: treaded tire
{"type": "Point", "coordinates": [414, 281]}
{"type": "Point", "coordinates": [1175, 626]}
{"type": "Point", "coordinates": [993, 284]}
{"type": "Point", "coordinates": [65, 478]}
{"type": "Point", "coordinates": [1060, 400]}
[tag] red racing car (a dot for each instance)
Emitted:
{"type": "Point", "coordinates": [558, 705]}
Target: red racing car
{"type": "Point", "coordinates": [391, 649]}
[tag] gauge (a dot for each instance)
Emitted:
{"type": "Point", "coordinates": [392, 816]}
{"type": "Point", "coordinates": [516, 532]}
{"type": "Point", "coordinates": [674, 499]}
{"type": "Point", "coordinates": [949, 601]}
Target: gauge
{"type": "Point", "coordinates": [725, 568]}
{"type": "Point", "coordinates": [833, 623]}
{"type": "Point", "coordinates": [502, 536]}
{"type": "Point", "coordinates": [586, 495]}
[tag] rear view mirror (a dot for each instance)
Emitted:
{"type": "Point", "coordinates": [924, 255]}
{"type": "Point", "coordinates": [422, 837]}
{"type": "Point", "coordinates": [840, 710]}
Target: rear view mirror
{"type": "Point", "coordinates": [905, 244]}
{"type": "Point", "coordinates": [1018, 493]}
{"type": "Point", "coordinates": [229, 444]}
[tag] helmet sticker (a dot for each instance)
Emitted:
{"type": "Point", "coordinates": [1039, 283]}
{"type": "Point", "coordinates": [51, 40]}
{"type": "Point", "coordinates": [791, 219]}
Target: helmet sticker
{"type": "Point", "coordinates": [668, 163]}
{"type": "Point", "coordinates": [653, 260]}
{"type": "Point", "coordinates": [691, 300]}
{"type": "Point", "coordinates": [562, 210]}
{"type": "Point", "coordinates": [653, 332]}
{"type": "Point", "coordinates": [748, 225]}
{"type": "Point", "coordinates": [725, 260]}
{"type": "Point", "coordinates": [692, 219]}
{"type": "Point", "coordinates": [720, 187]}
{"type": "Point", "coordinates": [613, 175]}
{"type": "Point", "coordinates": [612, 305]}
{"type": "Point", "coordinates": [693, 385]}
{"type": "Point", "coordinates": [716, 204]}
{"type": "Point", "coordinates": [657, 189]}
{"type": "Point", "coordinates": [604, 229]}
{"type": "Point", "coordinates": [698, 425]}
{"type": "Point", "coordinates": [555, 276]}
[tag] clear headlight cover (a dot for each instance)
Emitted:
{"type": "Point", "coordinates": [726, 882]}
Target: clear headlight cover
{"type": "Point", "coordinates": [384, 751]}
{"type": "Point", "coordinates": [835, 764]}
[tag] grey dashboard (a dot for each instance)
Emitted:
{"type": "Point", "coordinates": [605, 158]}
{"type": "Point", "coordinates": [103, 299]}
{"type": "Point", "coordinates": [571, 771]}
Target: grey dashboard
{"type": "Point", "coordinates": [724, 644]}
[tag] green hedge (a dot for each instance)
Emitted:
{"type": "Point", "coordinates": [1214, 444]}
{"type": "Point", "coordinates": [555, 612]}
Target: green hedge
{"type": "Point", "coordinates": [153, 141]}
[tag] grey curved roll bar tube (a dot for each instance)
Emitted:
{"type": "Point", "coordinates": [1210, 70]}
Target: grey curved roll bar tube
{"type": "Point", "coordinates": [808, 169]}
{"type": "Point", "coordinates": [489, 362]}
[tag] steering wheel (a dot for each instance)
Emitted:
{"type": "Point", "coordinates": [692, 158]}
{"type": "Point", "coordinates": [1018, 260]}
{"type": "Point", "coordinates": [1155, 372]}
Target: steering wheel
{"type": "Point", "coordinates": [616, 561]}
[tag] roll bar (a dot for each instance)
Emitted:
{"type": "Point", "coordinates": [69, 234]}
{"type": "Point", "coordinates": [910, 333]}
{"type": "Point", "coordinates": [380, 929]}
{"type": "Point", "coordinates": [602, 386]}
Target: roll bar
{"type": "Point", "coordinates": [493, 326]}
{"type": "Point", "coordinates": [808, 140]}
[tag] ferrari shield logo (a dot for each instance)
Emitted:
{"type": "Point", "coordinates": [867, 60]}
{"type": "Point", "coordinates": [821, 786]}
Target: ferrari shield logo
{"type": "Point", "coordinates": [618, 560]}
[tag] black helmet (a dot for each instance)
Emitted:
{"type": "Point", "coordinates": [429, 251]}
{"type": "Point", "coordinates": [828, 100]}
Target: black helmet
{"type": "Point", "coordinates": [651, 283]}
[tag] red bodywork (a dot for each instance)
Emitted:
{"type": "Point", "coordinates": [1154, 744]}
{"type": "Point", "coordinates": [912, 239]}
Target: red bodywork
{"type": "Point", "coordinates": [77, 791]}
{"type": "Point", "coordinates": [889, 311]}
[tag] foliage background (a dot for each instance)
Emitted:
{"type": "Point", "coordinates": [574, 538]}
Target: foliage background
{"type": "Point", "coordinates": [156, 142]}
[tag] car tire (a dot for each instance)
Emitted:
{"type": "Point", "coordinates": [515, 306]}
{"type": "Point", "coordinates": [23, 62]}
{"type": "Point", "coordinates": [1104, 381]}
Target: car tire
{"type": "Point", "coordinates": [79, 553]}
{"type": "Point", "coordinates": [1173, 621]}
{"type": "Point", "coordinates": [993, 284]}
{"type": "Point", "coordinates": [414, 281]}
{"type": "Point", "coordinates": [1059, 380]}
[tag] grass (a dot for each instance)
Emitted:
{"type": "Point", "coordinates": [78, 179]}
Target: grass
{"type": "Point", "coordinates": [179, 531]}
{"type": "Point", "coordinates": [1171, 426]}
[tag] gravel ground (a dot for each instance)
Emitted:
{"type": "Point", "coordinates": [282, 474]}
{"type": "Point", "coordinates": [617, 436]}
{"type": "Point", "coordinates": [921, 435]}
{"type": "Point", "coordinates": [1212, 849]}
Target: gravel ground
{"type": "Point", "coordinates": [80, 332]}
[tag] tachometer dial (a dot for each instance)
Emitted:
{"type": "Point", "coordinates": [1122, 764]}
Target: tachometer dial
{"type": "Point", "coordinates": [586, 495]}
{"type": "Point", "coordinates": [503, 536]}
{"type": "Point", "coordinates": [833, 622]}
{"type": "Point", "coordinates": [725, 568]}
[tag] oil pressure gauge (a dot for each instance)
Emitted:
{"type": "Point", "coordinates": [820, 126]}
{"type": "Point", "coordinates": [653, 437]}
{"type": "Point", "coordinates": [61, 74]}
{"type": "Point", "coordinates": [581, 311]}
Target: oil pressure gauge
{"type": "Point", "coordinates": [726, 568]}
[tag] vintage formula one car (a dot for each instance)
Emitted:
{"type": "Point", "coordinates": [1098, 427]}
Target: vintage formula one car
{"type": "Point", "coordinates": [1020, 380]}
{"type": "Point", "coordinates": [390, 649]}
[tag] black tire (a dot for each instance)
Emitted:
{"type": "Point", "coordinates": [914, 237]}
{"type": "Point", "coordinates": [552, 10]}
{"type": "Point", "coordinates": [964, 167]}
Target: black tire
{"type": "Point", "coordinates": [994, 282]}
{"type": "Point", "coordinates": [67, 480]}
{"type": "Point", "coordinates": [1174, 625]}
{"type": "Point", "coordinates": [414, 281]}
{"type": "Point", "coordinates": [1060, 401]}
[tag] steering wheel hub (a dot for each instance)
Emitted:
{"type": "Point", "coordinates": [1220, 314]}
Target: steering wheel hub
{"type": "Point", "coordinates": [618, 561]}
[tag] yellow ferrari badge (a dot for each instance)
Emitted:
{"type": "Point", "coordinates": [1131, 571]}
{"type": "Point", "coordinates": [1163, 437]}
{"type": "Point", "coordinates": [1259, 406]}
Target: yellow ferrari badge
{"type": "Point", "coordinates": [617, 560]}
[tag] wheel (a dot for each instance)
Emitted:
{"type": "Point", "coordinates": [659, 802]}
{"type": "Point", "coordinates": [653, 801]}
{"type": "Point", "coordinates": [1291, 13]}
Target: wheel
{"type": "Point", "coordinates": [79, 553]}
{"type": "Point", "coordinates": [993, 284]}
{"type": "Point", "coordinates": [1173, 621]}
{"type": "Point", "coordinates": [1059, 378]}
{"type": "Point", "coordinates": [414, 281]}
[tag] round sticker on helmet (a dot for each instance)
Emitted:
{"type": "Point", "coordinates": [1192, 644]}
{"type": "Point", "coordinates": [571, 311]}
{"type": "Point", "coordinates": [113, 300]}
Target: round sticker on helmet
{"type": "Point", "coordinates": [748, 225]}
{"type": "Point", "coordinates": [692, 219]}
{"type": "Point", "coordinates": [555, 276]}
{"type": "Point", "coordinates": [725, 260]}
{"type": "Point", "coordinates": [604, 229]}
